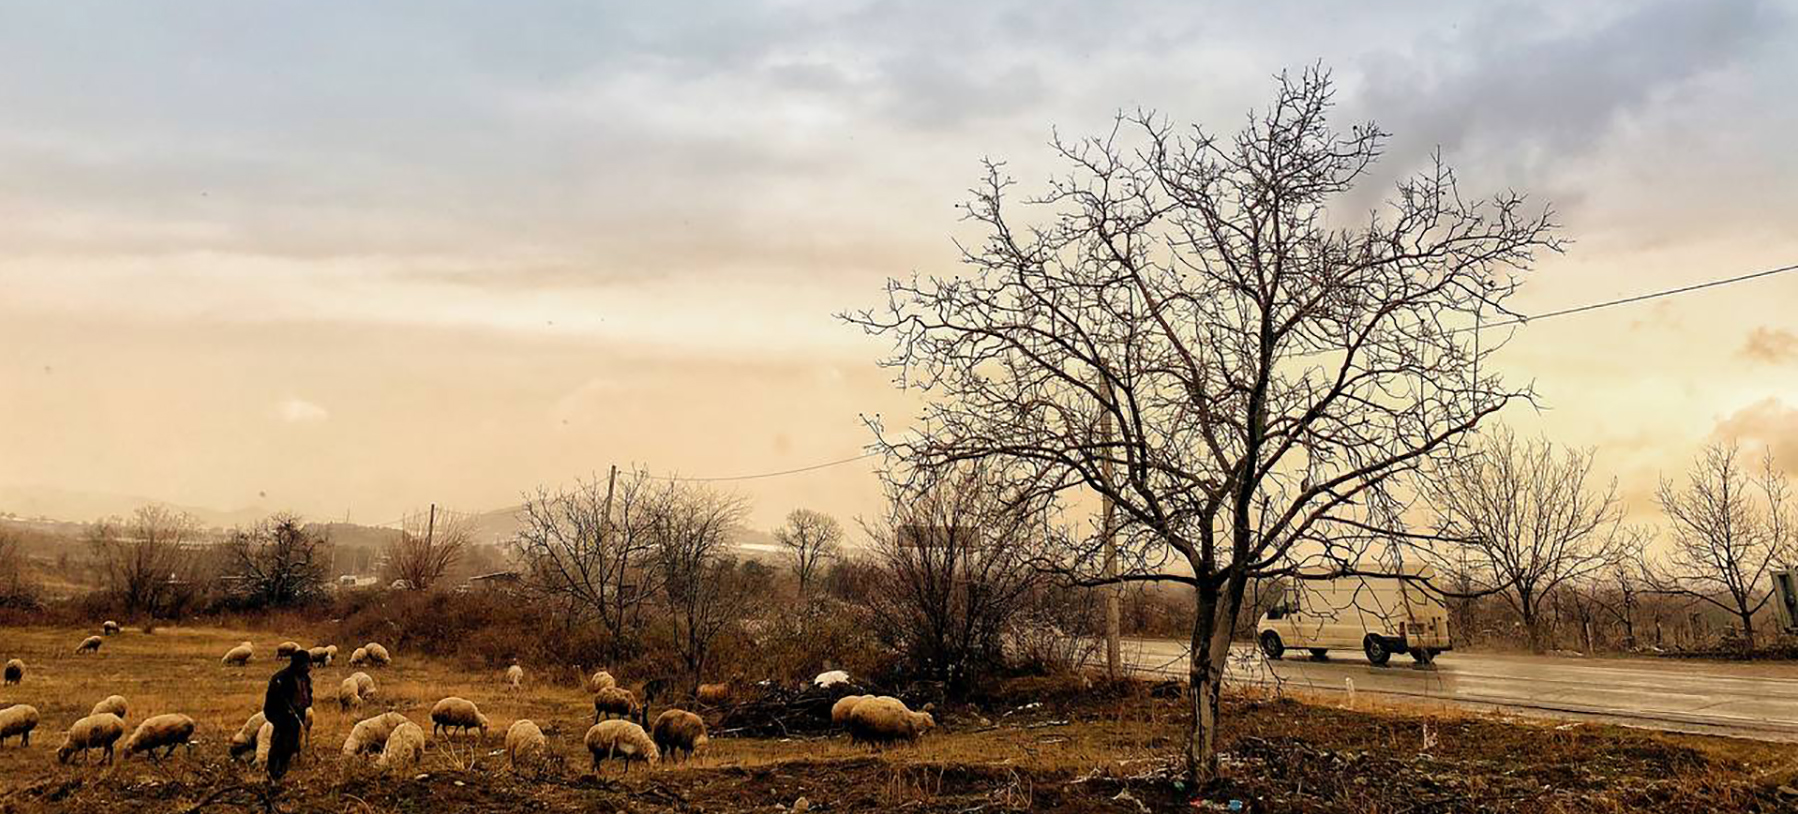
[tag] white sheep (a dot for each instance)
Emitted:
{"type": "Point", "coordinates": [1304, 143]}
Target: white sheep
{"type": "Point", "coordinates": [239, 655]}
{"type": "Point", "coordinates": [404, 747]}
{"type": "Point", "coordinates": [370, 734]}
{"type": "Point", "coordinates": [167, 731]}
{"type": "Point", "coordinates": [15, 671]}
{"type": "Point", "coordinates": [359, 657]}
{"type": "Point", "coordinates": [321, 656]}
{"type": "Point", "coordinates": [884, 719]}
{"type": "Point", "coordinates": [90, 644]}
{"type": "Point", "coordinates": [18, 719]}
{"type": "Point", "coordinates": [525, 741]}
{"type": "Point", "coordinates": [248, 737]}
{"type": "Point", "coordinates": [455, 713]}
{"type": "Point", "coordinates": [114, 704]}
{"type": "Point", "coordinates": [601, 680]}
{"type": "Point", "coordinates": [514, 676]}
{"type": "Point", "coordinates": [621, 740]}
{"type": "Point", "coordinates": [109, 627]}
{"type": "Point", "coordinates": [377, 655]}
{"type": "Point", "coordinates": [839, 712]}
{"type": "Point", "coordinates": [830, 679]}
{"type": "Point", "coordinates": [99, 731]}
{"type": "Point", "coordinates": [285, 650]}
{"type": "Point", "coordinates": [349, 695]}
{"type": "Point", "coordinates": [365, 684]}
{"type": "Point", "coordinates": [613, 701]}
{"type": "Point", "coordinates": [264, 743]}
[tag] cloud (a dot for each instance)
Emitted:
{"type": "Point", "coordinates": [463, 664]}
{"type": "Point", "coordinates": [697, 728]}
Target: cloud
{"type": "Point", "coordinates": [300, 411]}
{"type": "Point", "coordinates": [1770, 345]}
{"type": "Point", "coordinates": [1766, 424]}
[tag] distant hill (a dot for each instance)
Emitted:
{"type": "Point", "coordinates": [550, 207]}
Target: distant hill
{"type": "Point", "coordinates": [79, 506]}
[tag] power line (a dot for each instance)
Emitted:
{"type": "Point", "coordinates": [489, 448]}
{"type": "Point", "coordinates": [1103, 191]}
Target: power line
{"type": "Point", "coordinates": [1653, 295]}
{"type": "Point", "coordinates": [760, 475]}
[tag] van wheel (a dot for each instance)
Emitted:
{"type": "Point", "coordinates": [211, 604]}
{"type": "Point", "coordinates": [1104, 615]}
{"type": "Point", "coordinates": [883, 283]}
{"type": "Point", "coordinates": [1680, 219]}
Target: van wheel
{"type": "Point", "coordinates": [1320, 654]}
{"type": "Point", "coordinates": [1271, 646]}
{"type": "Point", "coordinates": [1376, 651]}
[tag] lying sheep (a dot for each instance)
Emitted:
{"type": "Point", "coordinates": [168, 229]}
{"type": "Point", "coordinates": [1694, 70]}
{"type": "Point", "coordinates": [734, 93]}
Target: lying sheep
{"type": "Point", "coordinates": [349, 695]}
{"type": "Point", "coordinates": [248, 737]}
{"type": "Point", "coordinates": [377, 655]}
{"type": "Point", "coordinates": [239, 655]}
{"type": "Point", "coordinates": [359, 657]}
{"type": "Point", "coordinates": [514, 676]}
{"type": "Point", "coordinates": [457, 713]}
{"type": "Point", "coordinates": [109, 627]}
{"type": "Point", "coordinates": [370, 734]}
{"type": "Point", "coordinates": [404, 747]}
{"type": "Point", "coordinates": [714, 693]}
{"type": "Point", "coordinates": [321, 656]}
{"type": "Point", "coordinates": [884, 719]}
{"type": "Point", "coordinates": [600, 681]}
{"type": "Point", "coordinates": [677, 731]}
{"type": "Point", "coordinates": [90, 644]}
{"type": "Point", "coordinates": [98, 731]}
{"type": "Point", "coordinates": [285, 650]}
{"type": "Point", "coordinates": [525, 742]}
{"type": "Point", "coordinates": [839, 712]}
{"type": "Point", "coordinates": [114, 704]}
{"type": "Point", "coordinates": [621, 740]}
{"type": "Point", "coordinates": [15, 671]}
{"type": "Point", "coordinates": [165, 731]}
{"type": "Point", "coordinates": [365, 684]}
{"type": "Point", "coordinates": [830, 679]}
{"type": "Point", "coordinates": [614, 701]}
{"type": "Point", "coordinates": [18, 719]}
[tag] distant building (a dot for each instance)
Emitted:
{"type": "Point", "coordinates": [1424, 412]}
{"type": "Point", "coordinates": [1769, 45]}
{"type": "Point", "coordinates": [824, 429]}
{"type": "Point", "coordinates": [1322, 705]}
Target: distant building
{"type": "Point", "coordinates": [496, 581]}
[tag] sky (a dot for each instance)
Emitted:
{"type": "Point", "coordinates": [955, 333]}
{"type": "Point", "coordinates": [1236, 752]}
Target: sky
{"type": "Point", "coordinates": [351, 259]}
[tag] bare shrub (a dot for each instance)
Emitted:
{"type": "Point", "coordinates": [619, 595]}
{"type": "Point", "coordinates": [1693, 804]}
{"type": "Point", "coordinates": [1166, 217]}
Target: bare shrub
{"type": "Point", "coordinates": [278, 562]}
{"type": "Point", "coordinates": [429, 545]}
{"type": "Point", "coordinates": [589, 549]}
{"type": "Point", "coordinates": [149, 563]}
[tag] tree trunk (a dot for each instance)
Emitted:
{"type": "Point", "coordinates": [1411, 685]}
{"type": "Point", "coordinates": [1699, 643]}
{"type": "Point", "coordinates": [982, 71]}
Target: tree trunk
{"type": "Point", "coordinates": [1748, 629]}
{"type": "Point", "coordinates": [1213, 623]}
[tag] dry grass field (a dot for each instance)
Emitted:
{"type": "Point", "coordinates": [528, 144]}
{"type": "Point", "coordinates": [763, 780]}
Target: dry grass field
{"type": "Point", "coordinates": [1046, 746]}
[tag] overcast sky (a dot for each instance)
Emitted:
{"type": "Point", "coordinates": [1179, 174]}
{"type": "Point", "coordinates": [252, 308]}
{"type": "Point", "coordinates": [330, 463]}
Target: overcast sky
{"type": "Point", "coordinates": [352, 258]}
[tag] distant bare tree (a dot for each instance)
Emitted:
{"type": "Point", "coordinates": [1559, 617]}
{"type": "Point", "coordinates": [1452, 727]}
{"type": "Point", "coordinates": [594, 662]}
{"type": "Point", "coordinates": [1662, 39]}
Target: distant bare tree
{"type": "Point", "coordinates": [1268, 371]}
{"type": "Point", "coordinates": [147, 562]}
{"type": "Point", "coordinates": [1730, 530]}
{"type": "Point", "coordinates": [1526, 520]}
{"type": "Point", "coordinates": [692, 528]}
{"type": "Point", "coordinates": [280, 561]}
{"type": "Point", "coordinates": [1622, 586]}
{"type": "Point", "coordinates": [17, 588]}
{"type": "Point", "coordinates": [429, 545]}
{"type": "Point", "coordinates": [810, 540]}
{"type": "Point", "coordinates": [601, 566]}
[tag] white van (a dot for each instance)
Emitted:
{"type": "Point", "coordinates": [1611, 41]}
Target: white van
{"type": "Point", "coordinates": [1380, 615]}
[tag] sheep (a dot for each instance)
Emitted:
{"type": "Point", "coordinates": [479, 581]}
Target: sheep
{"type": "Point", "coordinates": [321, 656]}
{"type": "Point", "coordinates": [830, 679]}
{"type": "Point", "coordinates": [454, 713]}
{"type": "Point", "coordinates": [98, 731]}
{"type": "Point", "coordinates": [239, 655]}
{"type": "Point", "coordinates": [677, 730]}
{"type": "Point", "coordinates": [377, 655]}
{"type": "Point", "coordinates": [404, 747]}
{"type": "Point", "coordinates": [359, 657]}
{"type": "Point", "coordinates": [264, 741]}
{"type": "Point", "coordinates": [349, 695]}
{"type": "Point", "coordinates": [331, 650]}
{"type": "Point", "coordinates": [884, 719]}
{"type": "Point", "coordinates": [18, 719]}
{"type": "Point", "coordinates": [839, 712]}
{"type": "Point", "coordinates": [15, 671]}
{"type": "Point", "coordinates": [612, 701]}
{"type": "Point", "coordinates": [714, 693]}
{"type": "Point", "coordinates": [365, 684]}
{"type": "Point", "coordinates": [370, 734]}
{"type": "Point", "coordinates": [601, 680]}
{"type": "Point", "coordinates": [524, 740]}
{"type": "Point", "coordinates": [114, 704]}
{"type": "Point", "coordinates": [285, 650]}
{"type": "Point", "coordinates": [249, 736]}
{"type": "Point", "coordinates": [623, 740]}
{"type": "Point", "coordinates": [167, 730]}
{"type": "Point", "coordinates": [514, 676]}
{"type": "Point", "coordinates": [90, 644]}
{"type": "Point", "coordinates": [109, 627]}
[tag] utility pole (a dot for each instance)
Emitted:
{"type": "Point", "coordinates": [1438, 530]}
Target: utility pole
{"type": "Point", "coordinates": [431, 528]}
{"type": "Point", "coordinates": [611, 481]}
{"type": "Point", "coordinates": [1114, 654]}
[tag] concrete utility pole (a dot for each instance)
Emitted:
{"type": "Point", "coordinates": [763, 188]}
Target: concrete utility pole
{"type": "Point", "coordinates": [431, 528]}
{"type": "Point", "coordinates": [1114, 651]}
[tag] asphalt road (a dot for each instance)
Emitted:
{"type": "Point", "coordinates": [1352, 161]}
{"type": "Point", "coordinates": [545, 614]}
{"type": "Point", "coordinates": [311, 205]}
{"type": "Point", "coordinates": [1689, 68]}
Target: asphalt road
{"type": "Point", "coordinates": [1754, 700]}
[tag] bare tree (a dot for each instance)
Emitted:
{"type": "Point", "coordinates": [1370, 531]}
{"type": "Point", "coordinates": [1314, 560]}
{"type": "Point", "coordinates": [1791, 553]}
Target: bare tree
{"type": "Point", "coordinates": [279, 561]}
{"type": "Point", "coordinates": [1270, 374]}
{"type": "Point", "coordinates": [1622, 586]}
{"type": "Point", "coordinates": [428, 546]}
{"type": "Point", "coordinates": [147, 561]}
{"type": "Point", "coordinates": [17, 587]}
{"type": "Point", "coordinates": [593, 546]}
{"type": "Point", "coordinates": [692, 527]}
{"type": "Point", "coordinates": [1526, 520]}
{"type": "Point", "coordinates": [1730, 530]}
{"type": "Point", "coordinates": [810, 540]}
{"type": "Point", "coordinates": [956, 555]}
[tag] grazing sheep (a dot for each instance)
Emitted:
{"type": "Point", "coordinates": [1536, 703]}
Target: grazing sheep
{"type": "Point", "coordinates": [601, 680]}
{"type": "Point", "coordinates": [18, 719]}
{"type": "Point", "coordinates": [839, 712]}
{"type": "Point", "coordinates": [525, 741]}
{"type": "Point", "coordinates": [285, 650]}
{"type": "Point", "coordinates": [264, 742]}
{"type": "Point", "coordinates": [370, 734]}
{"type": "Point", "coordinates": [830, 679]}
{"type": "Point", "coordinates": [239, 655]}
{"type": "Point", "coordinates": [249, 737]}
{"type": "Point", "coordinates": [613, 701]}
{"type": "Point", "coordinates": [404, 747]}
{"type": "Point", "coordinates": [377, 655]}
{"type": "Point", "coordinates": [161, 731]}
{"type": "Point", "coordinates": [676, 731]}
{"type": "Point", "coordinates": [15, 671]}
{"type": "Point", "coordinates": [321, 656]}
{"type": "Point", "coordinates": [455, 713]}
{"type": "Point", "coordinates": [714, 693]}
{"type": "Point", "coordinates": [622, 740]}
{"type": "Point", "coordinates": [514, 676]}
{"type": "Point", "coordinates": [331, 650]}
{"type": "Point", "coordinates": [90, 644]}
{"type": "Point", "coordinates": [349, 695]}
{"type": "Point", "coordinates": [359, 657]}
{"type": "Point", "coordinates": [114, 704]}
{"type": "Point", "coordinates": [99, 731]}
{"type": "Point", "coordinates": [884, 719]}
{"type": "Point", "coordinates": [109, 627]}
{"type": "Point", "coordinates": [365, 684]}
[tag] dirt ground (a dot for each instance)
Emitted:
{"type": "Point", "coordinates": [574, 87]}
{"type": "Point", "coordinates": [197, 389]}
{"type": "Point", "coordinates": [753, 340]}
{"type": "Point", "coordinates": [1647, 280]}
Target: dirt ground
{"type": "Point", "coordinates": [1038, 745]}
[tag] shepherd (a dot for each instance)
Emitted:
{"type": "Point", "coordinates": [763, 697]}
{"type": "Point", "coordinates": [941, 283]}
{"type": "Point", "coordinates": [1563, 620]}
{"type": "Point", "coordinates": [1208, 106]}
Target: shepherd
{"type": "Point", "coordinates": [289, 696]}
